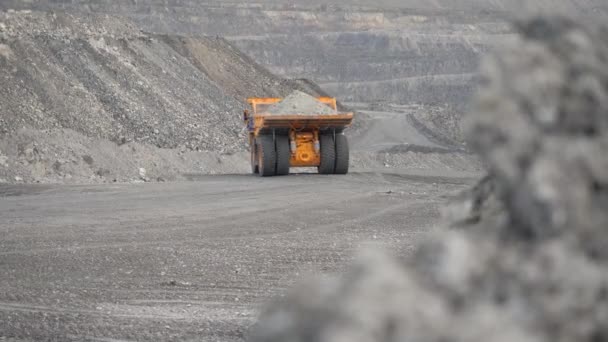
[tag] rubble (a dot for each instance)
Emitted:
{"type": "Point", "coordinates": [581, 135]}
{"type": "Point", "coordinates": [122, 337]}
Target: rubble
{"type": "Point", "coordinates": [545, 142]}
{"type": "Point", "coordinates": [300, 103]}
{"type": "Point", "coordinates": [99, 76]}
{"type": "Point", "coordinates": [66, 156]}
{"type": "Point", "coordinates": [142, 175]}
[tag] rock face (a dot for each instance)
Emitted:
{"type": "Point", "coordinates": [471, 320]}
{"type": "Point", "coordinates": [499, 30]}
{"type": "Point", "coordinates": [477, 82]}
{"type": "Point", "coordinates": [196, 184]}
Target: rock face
{"type": "Point", "coordinates": [528, 261]}
{"type": "Point", "coordinates": [83, 84]}
{"type": "Point", "coordinates": [363, 51]}
{"type": "Point", "coordinates": [103, 78]}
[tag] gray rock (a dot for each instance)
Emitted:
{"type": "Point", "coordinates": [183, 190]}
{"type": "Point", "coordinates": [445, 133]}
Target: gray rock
{"type": "Point", "coordinates": [541, 122]}
{"type": "Point", "coordinates": [299, 103]}
{"type": "Point", "coordinates": [30, 155]}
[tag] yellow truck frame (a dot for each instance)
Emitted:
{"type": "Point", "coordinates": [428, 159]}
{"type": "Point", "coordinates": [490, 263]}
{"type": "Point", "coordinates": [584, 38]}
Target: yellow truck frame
{"type": "Point", "coordinates": [279, 142]}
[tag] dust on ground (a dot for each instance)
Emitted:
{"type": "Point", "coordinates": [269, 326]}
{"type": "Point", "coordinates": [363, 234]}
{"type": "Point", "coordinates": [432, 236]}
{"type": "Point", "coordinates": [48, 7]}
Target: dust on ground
{"type": "Point", "coordinates": [191, 260]}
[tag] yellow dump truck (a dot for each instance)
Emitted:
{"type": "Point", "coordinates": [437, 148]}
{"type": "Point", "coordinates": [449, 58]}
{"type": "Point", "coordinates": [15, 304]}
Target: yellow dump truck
{"type": "Point", "coordinates": [281, 141]}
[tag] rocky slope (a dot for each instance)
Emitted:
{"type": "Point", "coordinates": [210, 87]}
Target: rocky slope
{"type": "Point", "coordinates": [96, 78]}
{"type": "Point", "coordinates": [106, 79]}
{"type": "Point", "coordinates": [363, 51]}
{"type": "Point", "coordinates": [381, 53]}
{"type": "Point", "coordinates": [71, 83]}
{"type": "Point", "coordinates": [395, 52]}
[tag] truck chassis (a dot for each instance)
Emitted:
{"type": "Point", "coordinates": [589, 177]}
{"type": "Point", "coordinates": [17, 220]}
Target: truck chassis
{"type": "Point", "coordinates": [280, 142]}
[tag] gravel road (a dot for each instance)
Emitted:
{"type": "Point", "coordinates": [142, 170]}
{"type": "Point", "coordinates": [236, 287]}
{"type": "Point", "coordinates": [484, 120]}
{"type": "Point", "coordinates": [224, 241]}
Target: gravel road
{"type": "Point", "coordinates": [191, 260]}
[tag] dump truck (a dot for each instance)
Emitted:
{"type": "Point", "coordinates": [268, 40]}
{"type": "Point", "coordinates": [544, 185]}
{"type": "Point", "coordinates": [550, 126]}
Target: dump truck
{"type": "Point", "coordinates": [280, 141]}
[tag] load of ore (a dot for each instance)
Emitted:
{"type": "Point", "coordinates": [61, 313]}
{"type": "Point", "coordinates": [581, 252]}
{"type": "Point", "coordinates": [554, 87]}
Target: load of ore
{"type": "Point", "coordinates": [527, 259]}
{"type": "Point", "coordinates": [299, 103]}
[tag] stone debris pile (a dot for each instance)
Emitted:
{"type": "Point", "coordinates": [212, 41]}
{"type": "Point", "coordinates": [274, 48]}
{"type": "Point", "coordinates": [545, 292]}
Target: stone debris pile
{"type": "Point", "coordinates": [300, 103]}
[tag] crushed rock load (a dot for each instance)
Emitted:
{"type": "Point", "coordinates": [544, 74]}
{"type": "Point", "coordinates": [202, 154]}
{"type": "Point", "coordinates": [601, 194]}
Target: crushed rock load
{"type": "Point", "coordinates": [300, 103]}
{"type": "Point", "coordinates": [527, 259]}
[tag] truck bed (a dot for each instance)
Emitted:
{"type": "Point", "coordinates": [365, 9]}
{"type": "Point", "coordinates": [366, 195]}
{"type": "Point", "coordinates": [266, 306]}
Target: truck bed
{"type": "Point", "coordinates": [264, 122]}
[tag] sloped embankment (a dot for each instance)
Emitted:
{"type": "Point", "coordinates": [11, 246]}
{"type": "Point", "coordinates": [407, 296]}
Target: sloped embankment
{"type": "Point", "coordinates": [106, 79]}
{"type": "Point", "coordinates": [71, 83]}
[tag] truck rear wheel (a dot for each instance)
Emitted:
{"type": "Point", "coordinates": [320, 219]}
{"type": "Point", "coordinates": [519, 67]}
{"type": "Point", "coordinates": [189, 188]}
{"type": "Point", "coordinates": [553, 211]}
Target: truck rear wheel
{"type": "Point", "coordinates": [328, 154]}
{"type": "Point", "coordinates": [254, 159]}
{"type": "Point", "coordinates": [283, 155]}
{"type": "Point", "coordinates": [266, 156]}
{"type": "Point", "coordinates": [342, 155]}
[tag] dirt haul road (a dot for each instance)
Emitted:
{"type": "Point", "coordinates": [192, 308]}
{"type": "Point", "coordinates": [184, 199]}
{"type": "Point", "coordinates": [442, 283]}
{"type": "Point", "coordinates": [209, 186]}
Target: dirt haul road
{"type": "Point", "coordinates": [191, 260]}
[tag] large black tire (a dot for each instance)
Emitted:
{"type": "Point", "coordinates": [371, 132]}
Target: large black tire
{"type": "Point", "coordinates": [266, 156]}
{"type": "Point", "coordinates": [254, 159]}
{"type": "Point", "coordinates": [283, 155]}
{"type": "Point", "coordinates": [328, 154]}
{"type": "Point", "coordinates": [342, 155]}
